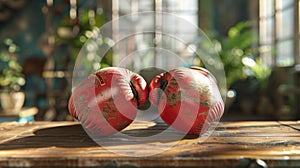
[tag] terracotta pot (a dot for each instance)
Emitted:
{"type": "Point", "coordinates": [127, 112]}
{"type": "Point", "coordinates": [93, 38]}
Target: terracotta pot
{"type": "Point", "coordinates": [12, 102]}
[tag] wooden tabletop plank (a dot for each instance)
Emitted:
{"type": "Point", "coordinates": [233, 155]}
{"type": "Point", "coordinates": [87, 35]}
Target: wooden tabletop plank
{"type": "Point", "coordinates": [232, 143]}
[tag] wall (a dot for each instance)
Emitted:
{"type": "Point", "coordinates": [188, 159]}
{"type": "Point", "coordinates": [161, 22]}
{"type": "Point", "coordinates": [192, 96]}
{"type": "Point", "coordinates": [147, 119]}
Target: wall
{"type": "Point", "coordinates": [27, 25]}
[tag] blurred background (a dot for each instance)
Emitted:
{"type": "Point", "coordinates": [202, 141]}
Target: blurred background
{"type": "Point", "coordinates": [257, 40]}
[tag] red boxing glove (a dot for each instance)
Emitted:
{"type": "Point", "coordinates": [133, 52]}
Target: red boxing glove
{"type": "Point", "coordinates": [106, 102]}
{"type": "Point", "coordinates": [188, 99]}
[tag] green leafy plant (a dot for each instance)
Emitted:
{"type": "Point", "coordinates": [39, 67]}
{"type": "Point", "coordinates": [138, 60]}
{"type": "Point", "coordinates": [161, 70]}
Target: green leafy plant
{"type": "Point", "coordinates": [77, 32]}
{"type": "Point", "coordinates": [237, 51]}
{"type": "Point", "coordinates": [11, 77]}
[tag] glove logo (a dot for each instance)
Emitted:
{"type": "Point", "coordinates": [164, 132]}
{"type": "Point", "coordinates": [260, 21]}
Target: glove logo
{"type": "Point", "coordinates": [100, 80]}
{"type": "Point", "coordinates": [153, 96]}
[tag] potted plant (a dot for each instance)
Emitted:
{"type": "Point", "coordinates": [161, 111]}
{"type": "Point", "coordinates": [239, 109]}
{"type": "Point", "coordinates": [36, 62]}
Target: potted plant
{"type": "Point", "coordinates": [246, 74]}
{"type": "Point", "coordinates": [11, 79]}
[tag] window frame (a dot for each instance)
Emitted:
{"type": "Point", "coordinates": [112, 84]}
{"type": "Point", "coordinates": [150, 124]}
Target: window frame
{"type": "Point", "coordinates": [269, 49]}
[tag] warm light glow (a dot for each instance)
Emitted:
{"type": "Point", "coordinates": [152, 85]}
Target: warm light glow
{"type": "Point", "coordinates": [52, 74]}
{"type": "Point", "coordinates": [192, 48]}
{"type": "Point", "coordinates": [109, 41]}
{"type": "Point", "coordinates": [73, 2]}
{"type": "Point", "coordinates": [50, 2]}
{"type": "Point", "coordinates": [297, 67]}
{"type": "Point", "coordinates": [299, 18]}
{"type": "Point", "coordinates": [51, 40]}
{"type": "Point", "coordinates": [248, 61]}
{"type": "Point", "coordinates": [73, 13]}
{"type": "Point", "coordinates": [231, 93]}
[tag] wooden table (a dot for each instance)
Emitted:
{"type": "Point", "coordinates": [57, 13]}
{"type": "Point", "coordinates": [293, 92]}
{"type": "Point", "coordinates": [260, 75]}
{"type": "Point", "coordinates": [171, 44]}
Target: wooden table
{"type": "Point", "coordinates": [231, 144]}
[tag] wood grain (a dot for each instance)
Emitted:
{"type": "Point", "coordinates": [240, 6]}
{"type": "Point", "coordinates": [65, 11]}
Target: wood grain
{"type": "Point", "coordinates": [231, 144]}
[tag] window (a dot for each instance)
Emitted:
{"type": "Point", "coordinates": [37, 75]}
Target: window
{"type": "Point", "coordinates": [277, 25]}
{"type": "Point", "coordinates": [266, 30]}
{"type": "Point", "coordinates": [140, 44]}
